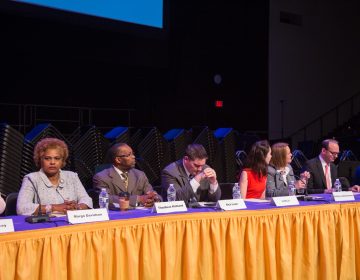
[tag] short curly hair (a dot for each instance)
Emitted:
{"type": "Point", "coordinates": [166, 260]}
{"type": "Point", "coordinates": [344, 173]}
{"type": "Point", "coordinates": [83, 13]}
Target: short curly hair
{"type": "Point", "coordinates": [50, 143]}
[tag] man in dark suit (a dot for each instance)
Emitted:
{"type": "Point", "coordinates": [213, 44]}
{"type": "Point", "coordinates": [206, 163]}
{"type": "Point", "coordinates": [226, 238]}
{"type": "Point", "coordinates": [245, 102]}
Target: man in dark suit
{"type": "Point", "coordinates": [191, 177]}
{"type": "Point", "coordinates": [323, 171]}
{"type": "Point", "coordinates": [122, 177]}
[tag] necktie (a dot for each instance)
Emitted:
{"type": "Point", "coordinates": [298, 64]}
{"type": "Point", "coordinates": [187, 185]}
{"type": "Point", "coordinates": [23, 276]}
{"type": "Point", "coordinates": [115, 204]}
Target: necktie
{"type": "Point", "coordinates": [327, 177]}
{"type": "Point", "coordinates": [125, 176]}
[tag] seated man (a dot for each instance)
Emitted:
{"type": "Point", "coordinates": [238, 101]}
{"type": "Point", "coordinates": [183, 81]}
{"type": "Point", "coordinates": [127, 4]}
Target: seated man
{"type": "Point", "coordinates": [323, 171]}
{"type": "Point", "coordinates": [123, 177]}
{"type": "Point", "coordinates": [191, 177]}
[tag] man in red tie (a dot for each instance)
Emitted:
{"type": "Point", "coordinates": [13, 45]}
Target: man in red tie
{"type": "Point", "coordinates": [323, 171]}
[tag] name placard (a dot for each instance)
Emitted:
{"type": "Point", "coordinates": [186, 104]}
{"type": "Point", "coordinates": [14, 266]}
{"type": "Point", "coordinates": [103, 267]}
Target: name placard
{"type": "Point", "coordinates": [169, 207]}
{"type": "Point", "coordinates": [6, 225]}
{"type": "Point", "coordinates": [87, 216]}
{"type": "Point", "coordinates": [231, 204]}
{"type": "Point", "coordinates": [285, 200]}
{"type": "Point", "coordinates": [343, 196]}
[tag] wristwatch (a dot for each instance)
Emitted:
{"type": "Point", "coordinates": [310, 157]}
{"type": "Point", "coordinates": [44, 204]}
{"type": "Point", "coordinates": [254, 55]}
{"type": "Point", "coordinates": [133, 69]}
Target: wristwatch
{"type": "Point", "coordinates": [48, 208]}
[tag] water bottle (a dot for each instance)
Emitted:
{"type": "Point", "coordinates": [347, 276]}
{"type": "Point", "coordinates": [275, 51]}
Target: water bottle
{"type": "Point", "coordinates": [171, 193]}
{"type": "Point", "coordinates": [236, 191]}
{"type": "Point", "coordinates": [337, 186]}
{"type": "Point", "coordinates": [291, 188]}
{"type": "Point", "coordinates": [104, 199]}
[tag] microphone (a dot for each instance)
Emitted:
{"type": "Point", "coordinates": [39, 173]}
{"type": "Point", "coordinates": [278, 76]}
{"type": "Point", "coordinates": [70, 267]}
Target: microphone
{"type": "Point", "coordinates": [57, 190]}
{"type": "Point", "coordinates": [40, 217]}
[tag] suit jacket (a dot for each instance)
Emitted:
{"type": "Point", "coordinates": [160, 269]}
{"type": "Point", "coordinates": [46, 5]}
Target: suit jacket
{"type": "Point", "coordinates": [275, 184]}
{"type": "Point", "coordinates": [175, 174]}
{"type": "Point", "coordinates": [138, 184]}
{"type": "Point", "coordinates": [317, 181]}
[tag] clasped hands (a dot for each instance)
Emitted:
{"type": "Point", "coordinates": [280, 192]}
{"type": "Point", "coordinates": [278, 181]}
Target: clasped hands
{"type": "Point", "coordinates": [209, 174]}
{"type": "Point", "coordinates": [68, 205]}
{"type": "Point", "coordinates": [148, 199]}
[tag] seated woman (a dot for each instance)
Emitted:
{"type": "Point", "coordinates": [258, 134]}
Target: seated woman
{"type": "Point", "coordinates": [2, 205]}
{"type": "Point", "coordinates": [51, 189]}
{"type": "Point", "coordinates": [253, 177]}
{"type": "Point", "coordinates": [280, 172]}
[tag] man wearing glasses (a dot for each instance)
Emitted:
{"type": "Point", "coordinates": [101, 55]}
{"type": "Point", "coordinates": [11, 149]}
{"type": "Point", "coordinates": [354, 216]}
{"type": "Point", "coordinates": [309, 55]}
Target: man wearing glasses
{"type": "Point", "coordinates": [323, 171]}
{"type": "Point", "coordinates": [122, 177]}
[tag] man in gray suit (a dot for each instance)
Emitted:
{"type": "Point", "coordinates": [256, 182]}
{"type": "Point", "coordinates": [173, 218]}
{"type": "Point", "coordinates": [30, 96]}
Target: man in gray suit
{"type": "Point", "coordinates": [191, 177]}
{"type": "Point", "coordinates": [122, 177]}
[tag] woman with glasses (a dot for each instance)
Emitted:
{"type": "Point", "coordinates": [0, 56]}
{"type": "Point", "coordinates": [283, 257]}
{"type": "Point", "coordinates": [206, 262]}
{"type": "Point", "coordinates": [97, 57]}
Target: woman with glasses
{"type": "Point", "coordinates": [280, 172]}
{"type": "Point", "coordinates": [51, 189]}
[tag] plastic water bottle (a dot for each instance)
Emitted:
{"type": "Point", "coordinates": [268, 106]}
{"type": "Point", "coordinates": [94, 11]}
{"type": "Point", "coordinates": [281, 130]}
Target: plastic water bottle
{"type": "Point", "coordinates": [171, 193]}
{"type": "Point", "coordinates": [236, 194]}
{"type": "Point", "coordinates": [291, 188]}
{"type": "Point", "coordinates": [104, 199]}
{"type": "Point", "coordinates": [337, 186]}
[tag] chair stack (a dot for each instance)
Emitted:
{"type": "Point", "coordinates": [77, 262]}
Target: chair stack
{"type": "Point", "coordinates": [205, 137]}
{"type": "Point", "coordinates": [226, 153]}
{"type": "Point", "coordinates": [11, 146]}
{"type": "Point", "coordinates": [119, 134]}
{"type": "Point", "coordinates": [153, 152]}
{"type": "Point", "coordinates": [178, 140]}
{"type": "Point", "coordinates": [39, 132]}
{"type": "Point", "coordinates": [89, 149]}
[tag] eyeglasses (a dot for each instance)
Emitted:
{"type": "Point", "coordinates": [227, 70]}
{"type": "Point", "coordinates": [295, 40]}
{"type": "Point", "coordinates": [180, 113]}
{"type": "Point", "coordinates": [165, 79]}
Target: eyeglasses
{"type": "Point", "coordinates": [334, 154]}
{"type": "Point", "coordinates": [125, 156]}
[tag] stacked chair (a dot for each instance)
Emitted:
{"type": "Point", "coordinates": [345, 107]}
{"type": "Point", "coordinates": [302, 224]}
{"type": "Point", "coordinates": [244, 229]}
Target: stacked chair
{"type": "Point", "coordinates": [11, 149]}
{"type": "Point", "coordinates": [205, 137]}
{"type": "Point", "coordinates": [89, 149]}
{"type": "Point", "coordinates": [39, 132]}
{"type": "Point", "coordinates": [226, 146]}
{"type": "Point", "coordinates": [178, 139]}
{"type": "Point", "coordinates": [152, 151]}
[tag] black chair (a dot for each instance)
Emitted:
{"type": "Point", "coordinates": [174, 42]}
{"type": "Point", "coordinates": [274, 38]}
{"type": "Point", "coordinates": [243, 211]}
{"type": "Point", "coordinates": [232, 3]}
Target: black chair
{"type": "Point", "coordinates": [94, 194]}
{"type": "Point", "coordinates": [226, 190]}
{"type": "Point", "coordinates": [11, 200]}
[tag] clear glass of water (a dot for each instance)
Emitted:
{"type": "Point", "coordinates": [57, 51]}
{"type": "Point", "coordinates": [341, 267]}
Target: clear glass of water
{"type": "Point", "coordinates": [304, 179]}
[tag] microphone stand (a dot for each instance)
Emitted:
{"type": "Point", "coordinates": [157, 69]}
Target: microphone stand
{"type": "Point", "coordinates": [40, 217]}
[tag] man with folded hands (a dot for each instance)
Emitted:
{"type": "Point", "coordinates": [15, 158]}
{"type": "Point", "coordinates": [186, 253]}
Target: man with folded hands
{"type": "Point", "coordinates": [191, 177]}
{"type": "Point", "coordinates": [122, 177]}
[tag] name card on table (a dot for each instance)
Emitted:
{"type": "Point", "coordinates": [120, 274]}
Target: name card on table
{"type": "Point", "coordinates": [231, 204]}
{"type": "Point", "coordinates": [6, 225]}
{"type": "Point", "coordinates": [343, 196]}
{"type": "Point", "coordinates": [87, 216]}
{"type": "Point", "coordinates": [285, 200]}
{"type": "Point", "coordinates": [169, 207]}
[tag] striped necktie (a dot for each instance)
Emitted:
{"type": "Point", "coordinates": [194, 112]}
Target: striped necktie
{"type": "Point", "coordinates": [125, 177]}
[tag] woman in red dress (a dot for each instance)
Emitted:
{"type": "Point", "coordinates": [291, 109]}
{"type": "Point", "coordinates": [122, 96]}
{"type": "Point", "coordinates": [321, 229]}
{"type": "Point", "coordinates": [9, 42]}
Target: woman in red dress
{"type": "Point", "coordinates": [253, 177]}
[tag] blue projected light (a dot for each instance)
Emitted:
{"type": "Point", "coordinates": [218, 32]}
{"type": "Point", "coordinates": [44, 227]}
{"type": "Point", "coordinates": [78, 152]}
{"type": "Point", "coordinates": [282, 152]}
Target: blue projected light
{"type": "Point", "coordinates": [145, 12]}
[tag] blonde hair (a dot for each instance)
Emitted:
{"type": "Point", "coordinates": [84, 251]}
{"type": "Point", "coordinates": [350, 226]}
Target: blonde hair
{"type": "Point", "coordinates": [50, 143]}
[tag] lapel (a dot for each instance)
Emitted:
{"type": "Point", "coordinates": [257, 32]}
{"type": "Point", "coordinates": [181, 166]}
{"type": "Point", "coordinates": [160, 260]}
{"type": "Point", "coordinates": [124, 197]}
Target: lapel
{"type": "Point", "coordinates": [320, 170]}
{"type": "Point", "coordinates": [182, 173]}
{"type": "Point", "coordinates": [116, 181]}
{"type": "Point", "coordinates": [131, 181]}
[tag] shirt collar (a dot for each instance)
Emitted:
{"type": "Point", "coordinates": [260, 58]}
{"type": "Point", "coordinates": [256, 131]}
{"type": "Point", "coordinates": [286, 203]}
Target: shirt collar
{"type": "Point", "coordinates": [47, 181]}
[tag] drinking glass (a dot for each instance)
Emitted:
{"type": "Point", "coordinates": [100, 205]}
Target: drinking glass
{"type": "Point", "coordinates": [304, 179]}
